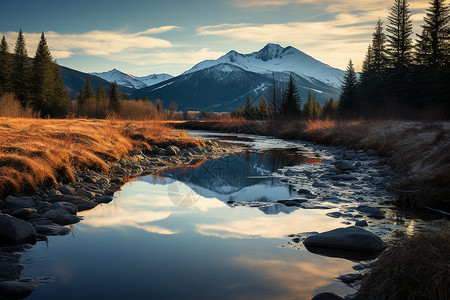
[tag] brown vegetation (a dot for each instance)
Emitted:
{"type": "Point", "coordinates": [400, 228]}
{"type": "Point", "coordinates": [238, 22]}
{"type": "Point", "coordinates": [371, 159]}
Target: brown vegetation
{"type": "Point", "coordinates": [417, 268]}
{"type": "Point", "coordinates": [40, 153]}
{"type": "Point", "coordinates": [420, 150]}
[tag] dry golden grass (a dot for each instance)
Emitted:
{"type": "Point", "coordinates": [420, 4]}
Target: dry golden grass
{"type": "Point", "coordinates": [37, 152]}
{"type": "Point", "coordinates": [417, 268]}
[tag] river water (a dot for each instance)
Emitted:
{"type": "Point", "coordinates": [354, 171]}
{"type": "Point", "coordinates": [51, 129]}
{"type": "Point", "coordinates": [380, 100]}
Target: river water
{"type": "Point", "coordinates": [212, 230]}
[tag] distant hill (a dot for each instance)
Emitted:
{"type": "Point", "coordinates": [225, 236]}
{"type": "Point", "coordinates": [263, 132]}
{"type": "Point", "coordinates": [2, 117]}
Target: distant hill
{"type": "Point", "coordinates": [131, 81]}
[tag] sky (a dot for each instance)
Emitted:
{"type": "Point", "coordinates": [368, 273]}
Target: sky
{"type": "Point", "coordinates": [143, 37]}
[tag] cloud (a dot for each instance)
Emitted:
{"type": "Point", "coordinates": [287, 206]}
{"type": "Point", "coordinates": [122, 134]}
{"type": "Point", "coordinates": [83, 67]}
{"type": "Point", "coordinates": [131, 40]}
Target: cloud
{"type": "Point", "coordinates": [97, 42]}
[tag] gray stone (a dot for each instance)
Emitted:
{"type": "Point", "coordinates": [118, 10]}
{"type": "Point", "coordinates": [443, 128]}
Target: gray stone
{"type": "Point", "coordinates": [85, 193]}
{"type": "Point", "coordinates": [53, 213]}
{"type": "Point", "coordinates": [16, 289]}
{"type": "Point", "coordinates": [345, 177]}
{"type": "Point", "coordinates": [344, 165]}
{"type": "Point", "coordinates": [14, 203]}
{"type": "Point", "coordinates": [23, 213]}
{"type": "Point", "coordinates": [349, 238]}
{"type": "Point", "coordinates": [350, 278]}
{"type": "Point", "coordinates": [16, 230]}
{"type": "Point", "coordinates": [335, 214]}
{"type": "Point", "coordinates": [40, 221]}
{"type": "Point", "coordinates": [371, 212]}
{"type": "Point", "coordinates": [67, 206]}
{"type": "Point", "coordinates": [361, 223]}
{"type": "Point", "coordinates": [53, 193]}
{"type": "Point", "coordinates": [327, 296]}
{"type": "Point", "coordinates": [10, 270]}
{"type": "Point", "coordinates": [84, 205]}
{"type": "Point", "coordinates": [66, 190]}
{"type": "Point", "coordinates": [335, 171]}
{"type": "Point", "coordinates": [103, 199]}
{"type": "Point", "coordinates": [53, 229]}
{"type": "Point", "coordinates": [66, 219]}
{"type": "Point", "coordinates": [172, 150]}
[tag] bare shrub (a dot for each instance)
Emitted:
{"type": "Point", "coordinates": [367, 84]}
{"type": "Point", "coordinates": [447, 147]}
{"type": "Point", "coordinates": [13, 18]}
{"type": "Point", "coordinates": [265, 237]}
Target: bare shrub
{"type": "Point", "coordinates": [10, 107]}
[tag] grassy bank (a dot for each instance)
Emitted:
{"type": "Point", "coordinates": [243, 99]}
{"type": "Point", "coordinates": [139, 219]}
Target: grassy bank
{"type": "Point", "coordinates": [417, 150]}
{"type": "Point", "coordinates": [40, 153]}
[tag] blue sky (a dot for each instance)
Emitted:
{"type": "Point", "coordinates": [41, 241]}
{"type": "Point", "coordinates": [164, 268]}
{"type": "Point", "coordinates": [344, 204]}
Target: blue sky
{"type": "Point", "coordinates": [170, 36]}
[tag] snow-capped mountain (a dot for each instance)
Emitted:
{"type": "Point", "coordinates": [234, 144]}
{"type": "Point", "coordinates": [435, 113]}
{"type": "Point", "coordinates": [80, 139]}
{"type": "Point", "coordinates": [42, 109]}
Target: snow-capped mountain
{"type": "Point", "coordinates": [153, 78]}
{"type": "Point", "coordinates": [131, 81]}
{"type": "Point", "coordinates": [275, 59]}
{"type": "Point", "coordinates": [225, 83]}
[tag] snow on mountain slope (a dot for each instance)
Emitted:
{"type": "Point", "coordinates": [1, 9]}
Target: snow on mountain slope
{"type": "Point", "coordinates": [132, 81]}
{"type": "Point", "coordinates": [154, 78]}
{"type": "Point", "coordinates": [274, 58]}
{"type": "Point", "coordinates": [121, 79]}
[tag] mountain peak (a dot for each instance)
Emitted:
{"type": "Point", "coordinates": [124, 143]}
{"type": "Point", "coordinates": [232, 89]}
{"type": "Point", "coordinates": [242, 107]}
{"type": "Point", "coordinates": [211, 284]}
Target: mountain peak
{"type": "Point", "coordinates": [270, 51]}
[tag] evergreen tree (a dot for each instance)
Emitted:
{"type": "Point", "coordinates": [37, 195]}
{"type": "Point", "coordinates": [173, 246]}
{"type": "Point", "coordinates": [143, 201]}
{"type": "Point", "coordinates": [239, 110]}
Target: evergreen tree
{"type": "Point", "coordinates": [57, 107]}
{"type": "Point", "coordinates": [114, 97]}
{"type": "Point", "coordinates": [100, 94]}
{"type": "Point", "coordinates": [434, 42]}
{"type": "Point", "coordinates": [43, 82]}
{"type": "Point", "coordinates": [399, 37]}
{"type": "Point", "coordinates": [88, 91]}
{"type": "Point", "coordinates": [367, 64]}
{"type": "Point", "coordinates": [308, 109]}
{"type": "Point", "coordinates": [378, 62]}
{"type": "Point", "coordinates": [5, 68]}
{"type": "Point", "coordinates": [347, 102]}
{"type": "Point", "coordinates": [21, 71]}
{"type": "Point", "coordinates": [263, 109]}
{"type": "Point", "coordinates": [317, 108]}
{"type": "Point", "coordinates": [291, 100]}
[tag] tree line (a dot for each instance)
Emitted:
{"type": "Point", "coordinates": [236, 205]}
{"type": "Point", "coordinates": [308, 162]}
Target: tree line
{"type": "Point", "coordinates": [286, 103]}
{"type": "Point", "coordinates": [403, 77]}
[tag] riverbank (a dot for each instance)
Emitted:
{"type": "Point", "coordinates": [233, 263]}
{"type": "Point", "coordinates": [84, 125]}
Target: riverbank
{"type": "Point", "coordinates": [418, 151]}
{"type": "Point", "coordinates": [53, 169]}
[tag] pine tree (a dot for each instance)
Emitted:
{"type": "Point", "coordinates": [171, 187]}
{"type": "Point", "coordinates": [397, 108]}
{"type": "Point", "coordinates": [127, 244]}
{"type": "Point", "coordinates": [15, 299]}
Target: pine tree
{"type": "Point", "coordinates": [347, 102]}
{"type": "Point", "coordinates": [378, 48]}
{"type": "Point", "coordinates": [100, 94]}
{"type": "Point", "coordinates": [317, 108]}
{"type": "Point", "coordinates": [399, 37]}
{"type": "Point", "coordinates": [308, 109]}
{"type": "Point", "coordinates": [114, 97]}
{"type": "Point", "coordinates": [433, 45]}
{"type": "Point", "coordinates": [21, 71]}
{"type": "Point", "coordinates": [263, 109]}
{"type": "Point", "coordinates": [57, 107]}
{"type": "Point", "coordinates": [291, 100]}
{"type": "Point", "coordinates": [43, 82]}
{"type": "Point", "coordinates": [367, 64]}
{"type": "Point", "coordinates": [5, 68]}
{"type": "Point", "coordinates": [88, 91]}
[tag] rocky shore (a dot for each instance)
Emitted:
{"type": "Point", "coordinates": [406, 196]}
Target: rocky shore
{"type": "Point", "coordinates": [27, 219]}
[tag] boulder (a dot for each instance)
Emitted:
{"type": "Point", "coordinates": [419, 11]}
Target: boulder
{"type": "Point", "coordinates": [66, 219]}
{"type": "Point", "coordinates": [327, 296]}
{"type": "Point", "coordinates": [349, 238]}
{"type": "Point", "coordinates": [53, 213]}
{"type": "Point", "coordinates": [16, 289]}
{"type": "Point", "coordinates": [103, 199]}
{"type": "Point", "coordinates": [344, 165]}
{"type": "Point", "coordinates": [53, 229]}
{"type": "Point", "coordinates": [345, 177]}
{"type": "Point", "coordinates": [14, 203]}
{"type": "Point", "coordinates": [371, 212]}
{"type": "Point", "coordinates": [16, 230]}
{"type": "Point", "coordinates": [361, 223]}
{"type": "Point", "coordinates": [66, 190]}
{"type": "Point", "coordinates": [67, 206]}
{"type": "Point", "coordinates": [23, 213]}
{"type": "Point", "coordinates": [172, 150]}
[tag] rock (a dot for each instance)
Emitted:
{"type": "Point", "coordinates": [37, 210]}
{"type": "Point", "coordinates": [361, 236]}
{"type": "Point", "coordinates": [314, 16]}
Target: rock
{"type": "Point", "coordinates": [23, 213]}
{"type": "Point", "coordinates": [345, 177]}
{"type": "Point", "coordinates": [358, 164]}
{"type": "Point", "coordinates": [16, 230]}
{"type": "Point", "coordinates": [66, 190]}
{"type": "Point", "coordinates": [53, 213]}
{"type": "Point", "coordinates": [84, 205]}
{"type": "Point", "coordinates": [361, 223]}
{"type": "Point", "coordinates": [304, 192]}
{"type": "Point", "coordinates": [16, 289]}
{"type": "Point", "coordinates": [335, 214]}
{"type": "Point", "coordinates": [66, 219]}
{"type": "Point", "coordinates": [344, 165]}
{"type": "Point", "coordinates": [103, 199]}
{"type": "Point", "coordinates": [317, 184]}
{"type": "Point", "coordinates": [85, 193]}
{"type": "Point", "coordinates": [14, 203]}
{"type": "Point", "coordinates": [335, 171]}
{"type": "Point", "coordinates": [172, 150]}
{"type": "Point", "coordinates": [65, 198]}
{"type": "Point", "coordinates": [43, 205]}
{"type": "Point", "coordinates": [53, 193]}
{"type": "Point", "coordinates": [327, 296]}
{"type": "Point", "coordinates": [371, 212]}
{"type": "Point", "coordinates": [40, 221]}
{"type": "Point", "coordinates": [53, 229]}
{"type": "Point", "coordinates": [350, 278]}
{"type": "Point", "coordinates": [67, 206]}
{"type": "Point", "coordinates": [10, 270]}
{"type": "Point", "coordinates": [296, 202]}
{"type": "Point", "coordinates": [349, 238]}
